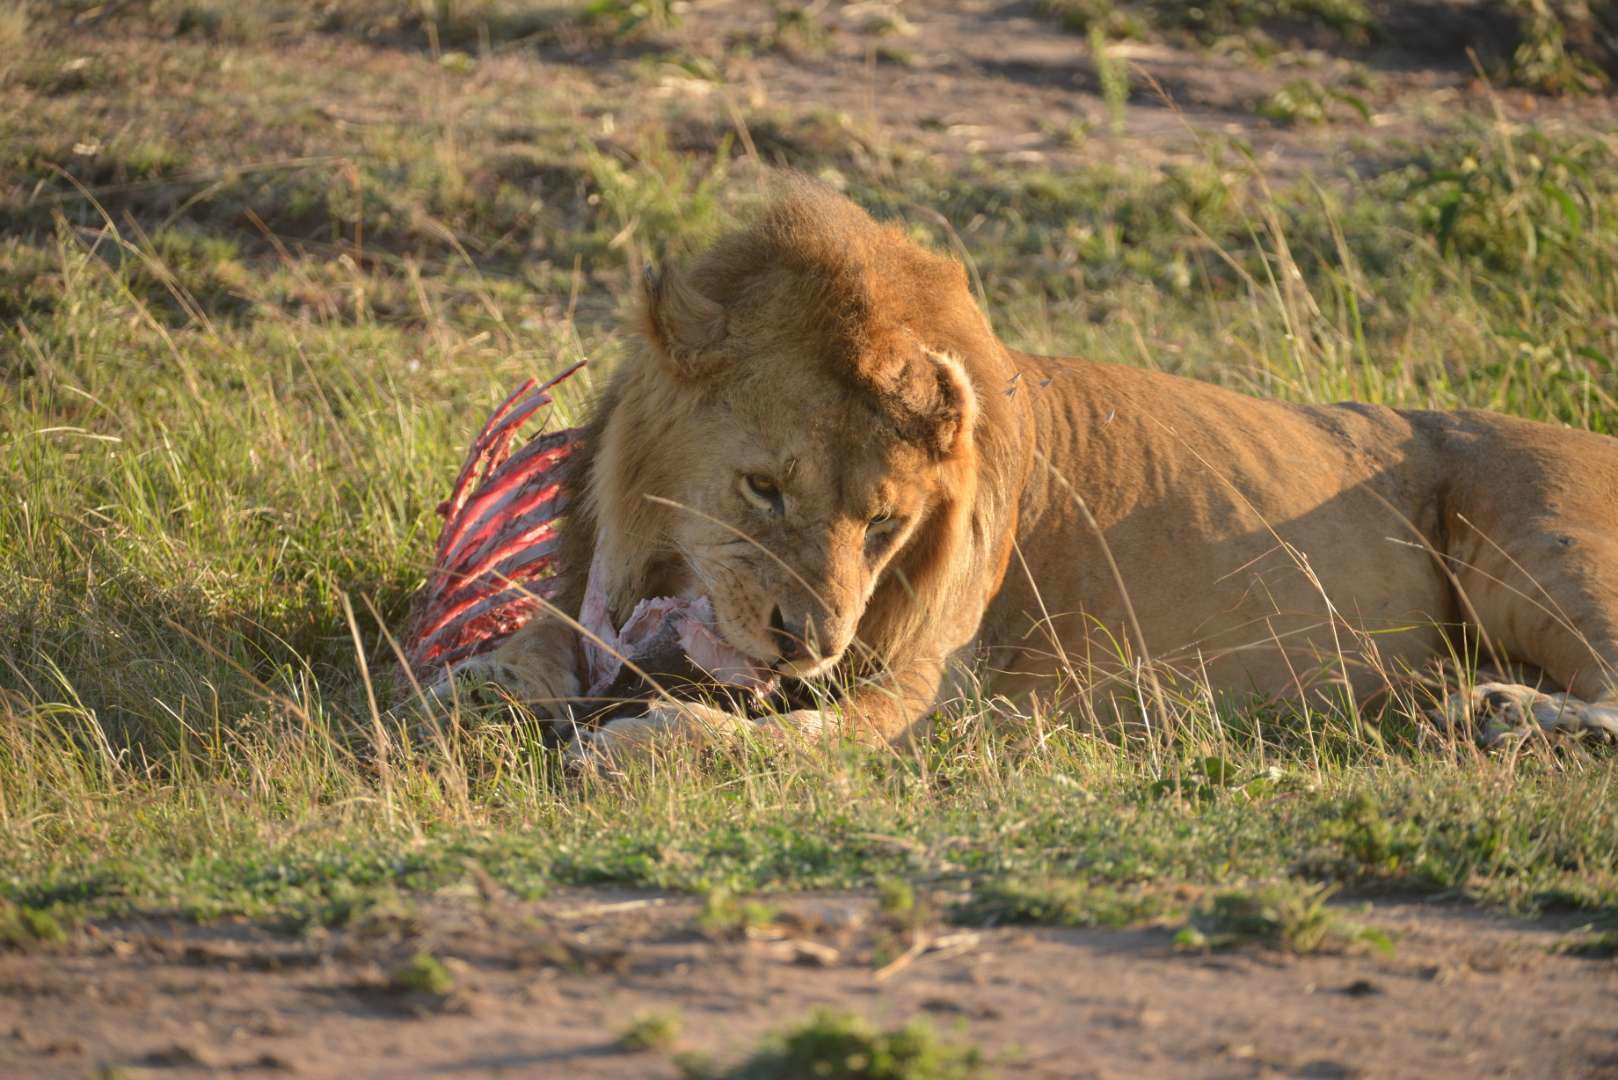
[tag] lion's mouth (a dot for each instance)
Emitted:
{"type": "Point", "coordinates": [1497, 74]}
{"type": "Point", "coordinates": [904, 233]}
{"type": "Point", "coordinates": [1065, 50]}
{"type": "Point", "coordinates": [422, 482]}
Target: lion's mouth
{"type": "Point", "coordinates": [730, 637]}
{"type": "Point", "coordinates": [661, 630]}
{"type": "Point", "coordinates": [768, 659]}
{"type": "Point", "coordinates": [710, 649]}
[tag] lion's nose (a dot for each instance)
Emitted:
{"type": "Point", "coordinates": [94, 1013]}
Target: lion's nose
{"type": "Point", "coordinates": [793, 639]}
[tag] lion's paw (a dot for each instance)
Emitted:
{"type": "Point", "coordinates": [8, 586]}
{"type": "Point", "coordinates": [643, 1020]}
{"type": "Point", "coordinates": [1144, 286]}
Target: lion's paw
{"type": "Point", "coordinates": [1505, 714]}
{"type": "Point", "coordinates": [492, 680]}
{"type": "Point", "coordinates": [475, 683]}
{"type": "Point", "coordinates": [799, 724]}
{"type": "Point", "coordinates": [619, 742]}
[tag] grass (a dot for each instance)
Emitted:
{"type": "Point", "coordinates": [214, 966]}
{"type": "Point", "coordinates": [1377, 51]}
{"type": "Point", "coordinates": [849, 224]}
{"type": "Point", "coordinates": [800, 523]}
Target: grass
{"type": "Point", "coordinates": [1564, 47]}
{"type": "Point", "coordinates": [13, 25]}
{"type": "Point", "coordinates": [841, 1045]}
{"type": "Point", "coordinates": [238, 366]}
{"type": "Point", "coordinates": [726, 915]}
{"type": "Point", "coordinates": [1113, 74]}
{"type": "Point", "coordinates": [423, 973]}
{"type": "Point", "coordinates": [650, 1031]}
{"type": "Point", "coordinates": [1057, 901]}
{"type": "Point", "coordinates": [1600, 946]}
{"type": "Point", "coordinates": [1348, 20]}
{"type": "Point", "coordinates": [1305, 101]}
{"type": "Point", "coordinates": [25, 928]}
{"type": "Point", "coordinates": [1286, 916]}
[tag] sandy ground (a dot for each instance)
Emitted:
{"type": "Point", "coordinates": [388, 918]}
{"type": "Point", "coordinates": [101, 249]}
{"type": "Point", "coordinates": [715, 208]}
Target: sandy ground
{"type": "Point", "coordinates": [993, 81]}
{"type": "Point", "coordinates": [545, 988]}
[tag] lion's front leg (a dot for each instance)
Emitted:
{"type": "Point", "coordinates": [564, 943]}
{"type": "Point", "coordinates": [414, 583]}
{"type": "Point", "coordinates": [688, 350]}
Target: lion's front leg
{"type": "Point", "coordinates": [881, 712]}
{"type": "Point", "coordinates": [895, 708]}
{"type": "Point", "coordinates": [801, 724]}
{"type": "Point", "coordinates": [661, 727]}
{"type": "Point", "coordinates": [889, 710]}
{"type": "Point", "coordinates": [538, 667]}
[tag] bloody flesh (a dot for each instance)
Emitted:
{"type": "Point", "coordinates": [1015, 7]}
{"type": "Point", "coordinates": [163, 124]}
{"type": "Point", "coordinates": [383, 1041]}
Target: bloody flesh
{"type": "Point", "coordinates": [494, 568]}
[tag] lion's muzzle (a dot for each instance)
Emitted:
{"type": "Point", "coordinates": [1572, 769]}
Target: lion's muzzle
{"type": "Point", "coordinates": [797, 641]}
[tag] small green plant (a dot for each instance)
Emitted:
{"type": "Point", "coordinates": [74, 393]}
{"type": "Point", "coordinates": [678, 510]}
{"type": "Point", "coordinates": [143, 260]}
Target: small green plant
{"type": "Point", "coordinates": [1544, 61]}
{"type": "Point", "coordinates": [1602, 946]}
{"type": "Point", "coordinates": [25, 928]}
{"type": "Point", "coordinates": [724, 913]}
{"type": "Point", "coordinates": [1112, 72]}
{"type": "Point", "coordinates": [1287, 915]}
{"type": "Point", "coordinates": [1372, 841]}
{"type": "Point", "coordinates": [1211, 776]}
{"type": "Point", "coordinates": [896, 900]}
{"type": "Point", "coordinates": [1210, 21]}
{"type": "Point", "coordinates": [1085, 16]}
{"type": "Point", "coordinates": [1306, 101]}
{"type": "Point", "coordinates": [1349, 19]}
{"type": "Point", "coordinates": [627, 18]}
{"type": "Point", "coordinates": [423, 973]}
{"type": "Point", "coordinates": [1526, 204]}
{"type": "Point", "coordinates": [1053, 901]}
{"type": "Point", "coordinates": [650, 1031]}
{"type": "Point", "coordinates": [798, 31]}
{"type": "Point", "coordinates": [898, 57]}
{"type": "Point", "coordinates": [843, 1046]}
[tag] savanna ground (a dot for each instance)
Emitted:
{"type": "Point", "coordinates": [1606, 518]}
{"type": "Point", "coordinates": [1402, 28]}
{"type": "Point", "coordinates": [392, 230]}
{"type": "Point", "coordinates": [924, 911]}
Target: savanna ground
{"type": "Point", "coordinates": [263, 269]}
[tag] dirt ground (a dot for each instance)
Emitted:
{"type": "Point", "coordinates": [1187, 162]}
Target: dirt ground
{"type": "Point", "coordinates": [995, 81]}
{"type": "Point", "coordinates": [546, 988]}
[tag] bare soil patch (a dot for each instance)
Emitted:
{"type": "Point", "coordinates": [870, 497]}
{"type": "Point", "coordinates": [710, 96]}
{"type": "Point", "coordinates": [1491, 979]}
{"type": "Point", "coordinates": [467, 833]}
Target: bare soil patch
{"type": "Point", "coordinates": [550, 986]}
{"type": "Point", "coordinates": [995, 81]}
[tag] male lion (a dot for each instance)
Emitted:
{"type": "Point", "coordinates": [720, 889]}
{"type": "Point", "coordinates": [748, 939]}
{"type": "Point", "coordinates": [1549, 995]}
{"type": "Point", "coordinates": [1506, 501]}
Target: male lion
{"type": "Point", "coordinates": [823, 435]}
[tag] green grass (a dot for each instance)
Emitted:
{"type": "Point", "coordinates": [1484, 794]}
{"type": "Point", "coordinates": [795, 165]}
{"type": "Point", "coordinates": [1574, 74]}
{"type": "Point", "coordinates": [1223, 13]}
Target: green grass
{"type": "Point", "coordinates": [24, 928]}
{"type": "Point", "coordinates": [650, 1031]}
{"type": "Point", "coordinates": [423, 973]}
{"type": "Point", "coordinates": [1600, 946]}
{"type": "Point", "coordinates": [726, 915]}
{"type": "Point", "coordinates": [1565, 46]}
{"type": "Point", "coordinates": [1208, 22]}
{"type": "Point", "coordinates": [844, 1046]}
{"type": "Point", "coordinates": [234, 383]}
{"type": "Point", "coordinates": [1059, 901]}
{"type": "Point", "coordinates": [1286, 916]}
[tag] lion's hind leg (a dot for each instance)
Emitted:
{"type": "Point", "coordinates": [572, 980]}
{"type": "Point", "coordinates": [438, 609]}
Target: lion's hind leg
{"type": "Point", "coordinates": [1498, 714]}
{"type": "Point", "coordinates": [1533, 555]}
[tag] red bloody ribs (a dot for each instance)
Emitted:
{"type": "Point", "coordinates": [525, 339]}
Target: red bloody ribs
{"type": "Point", "coordinates": [495, 567]}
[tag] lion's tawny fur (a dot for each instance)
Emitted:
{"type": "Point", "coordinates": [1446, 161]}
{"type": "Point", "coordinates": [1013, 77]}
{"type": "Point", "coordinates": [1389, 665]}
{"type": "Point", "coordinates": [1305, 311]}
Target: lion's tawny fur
{"type": "Point", "coordinates": [948, 501]}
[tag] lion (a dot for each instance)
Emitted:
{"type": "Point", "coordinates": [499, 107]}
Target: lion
{"type": "Point", "coordinates": [887, 505]}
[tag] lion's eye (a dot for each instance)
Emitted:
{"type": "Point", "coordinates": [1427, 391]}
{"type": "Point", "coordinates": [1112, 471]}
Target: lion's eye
{"type": "Point", "coordinates": [880, 530]}
{"type": "Point", "coordinates": [762, 492]}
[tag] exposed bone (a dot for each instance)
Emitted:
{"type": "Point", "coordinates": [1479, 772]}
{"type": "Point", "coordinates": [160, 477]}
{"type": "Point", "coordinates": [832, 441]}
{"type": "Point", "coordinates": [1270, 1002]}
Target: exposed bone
{"type": "Point", "coordinates": [494, 563]}
{"type": "Point", "coordinates": [495, 567]}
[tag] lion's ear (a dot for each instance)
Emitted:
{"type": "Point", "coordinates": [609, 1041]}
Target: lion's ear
{"type": "Point", "coordinates": [954, 410]}
{"type": "Point", "coordinates": [683, 327]}
{"type": "Point", "coordinates": [928, 394]}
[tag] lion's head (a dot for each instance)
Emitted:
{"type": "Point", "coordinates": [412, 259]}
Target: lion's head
{"type": "Point", "coordinates": [797, 439]}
